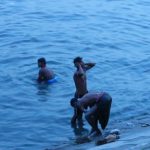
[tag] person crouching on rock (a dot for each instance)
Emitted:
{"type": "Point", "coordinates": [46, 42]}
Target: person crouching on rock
{"type": "Point", "coordinates": [99, 104]}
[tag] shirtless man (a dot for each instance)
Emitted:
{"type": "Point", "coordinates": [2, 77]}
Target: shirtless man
{"type": "Point", "coordinates": [44, 73]}
{"type": "Point", "coordinates": [99, 104]}
{"type": "Point", "coordinates": [80, 84]}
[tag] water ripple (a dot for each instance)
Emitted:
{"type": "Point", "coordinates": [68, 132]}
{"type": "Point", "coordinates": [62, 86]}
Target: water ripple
{"type": "Point", "coordinates": [112, 33]}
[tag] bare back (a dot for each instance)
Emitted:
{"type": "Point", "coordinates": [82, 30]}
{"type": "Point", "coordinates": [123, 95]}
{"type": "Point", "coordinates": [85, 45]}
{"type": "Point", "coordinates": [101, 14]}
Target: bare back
{"type": "Point", "coordinates": [45, 74]}
{"type": "Point", "coordinates": [90, 99]}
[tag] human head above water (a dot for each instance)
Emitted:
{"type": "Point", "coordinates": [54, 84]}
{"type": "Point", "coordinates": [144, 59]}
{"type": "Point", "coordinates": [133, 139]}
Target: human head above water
{"type": "Point", "coordinates": [41, 62]}
{"type": "Point", "coordinates": [77, 60]}
{"type": "Point", "coordinates": [73, 102]}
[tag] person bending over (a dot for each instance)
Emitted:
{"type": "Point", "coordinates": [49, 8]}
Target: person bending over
{"type": "Point", "coordinates": [99, 104]}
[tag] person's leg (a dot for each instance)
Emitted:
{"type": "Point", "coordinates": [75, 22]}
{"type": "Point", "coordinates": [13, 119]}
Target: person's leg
{"type": "Point", "coordinates": [104, 106]}
{"type": "Point", "coordinates": [74, 117]}
{"type": "Point", "coordinates": [77, 116]}
{"type": "Point", "coordinates": [79, 112]}
{"type": "Point", "coordinates": [91, 117]}
{"type": "Point", "coordinates": [73, 102]}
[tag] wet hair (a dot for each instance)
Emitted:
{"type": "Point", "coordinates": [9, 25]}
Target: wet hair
{"type": "Point", "coordinates": [73, 102]}
{"type": "Point", "coordinates": [77, 59]}
{"type": "Point", "coordinates": [42, 60]}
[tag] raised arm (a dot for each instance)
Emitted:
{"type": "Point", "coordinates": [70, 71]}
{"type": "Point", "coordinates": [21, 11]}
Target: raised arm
{"type": "Point", "coordinates": [89, 65]}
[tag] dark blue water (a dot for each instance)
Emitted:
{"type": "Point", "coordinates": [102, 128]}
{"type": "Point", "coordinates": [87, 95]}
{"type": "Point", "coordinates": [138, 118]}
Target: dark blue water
{"type": "Point", "coordinates": [114, 34]}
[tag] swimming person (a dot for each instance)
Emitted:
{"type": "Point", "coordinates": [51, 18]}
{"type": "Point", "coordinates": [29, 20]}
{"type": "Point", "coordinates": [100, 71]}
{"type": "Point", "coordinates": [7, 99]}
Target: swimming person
{"type": "Point", "coordinates": [45, 74]}
{"type": "Point", "coordinates": [80, 84]}
{"type": "Point", "coordinates": [99, 104]}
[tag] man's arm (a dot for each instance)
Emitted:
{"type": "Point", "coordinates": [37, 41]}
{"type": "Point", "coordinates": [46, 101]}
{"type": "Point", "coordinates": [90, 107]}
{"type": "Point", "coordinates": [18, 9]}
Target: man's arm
{"type": "Point", "coordinates": [80, 71]}
{"type": "Point", "coordinates": [81, 108]}
{"type": "Point", "coordinates": [41, 76]}
{"type": "Point", "coordinates": [89, 65]}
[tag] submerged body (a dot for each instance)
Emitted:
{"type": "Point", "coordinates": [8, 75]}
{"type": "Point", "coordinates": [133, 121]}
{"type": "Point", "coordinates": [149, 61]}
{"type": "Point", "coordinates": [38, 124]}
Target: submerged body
{"type": "Point", "coordinates": [45, 74]}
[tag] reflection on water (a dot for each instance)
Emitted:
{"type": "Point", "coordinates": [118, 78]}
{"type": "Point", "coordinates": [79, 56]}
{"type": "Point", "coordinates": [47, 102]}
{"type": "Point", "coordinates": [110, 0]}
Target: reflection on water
{"type": "Point", "coordinates": [80, 130]}
{"type": "Point", "coordinates": [43, 89]}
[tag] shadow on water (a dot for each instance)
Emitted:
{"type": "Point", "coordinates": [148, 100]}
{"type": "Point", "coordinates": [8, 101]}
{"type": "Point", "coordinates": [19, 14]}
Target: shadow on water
{"type": "Point", "coordinates": [79, 130]}
{"type": "Point", "coordinates": [43, 90]}
{"type": "Point", "coordinates": [79, 140]}
{"type": "Point", "coordinates": [81, 135]}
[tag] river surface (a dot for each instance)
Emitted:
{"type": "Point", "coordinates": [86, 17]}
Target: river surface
{"type": "Point", "coordinates": [115, 34]}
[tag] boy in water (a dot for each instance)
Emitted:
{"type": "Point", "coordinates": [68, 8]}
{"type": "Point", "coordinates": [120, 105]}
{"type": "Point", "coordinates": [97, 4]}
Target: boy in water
{"type": "Point", "coordinates": [99, 109]}
{"type": "Point", "coordinates": [44, 73]}
{"type": "Point", "coordinates": [80, 84]}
